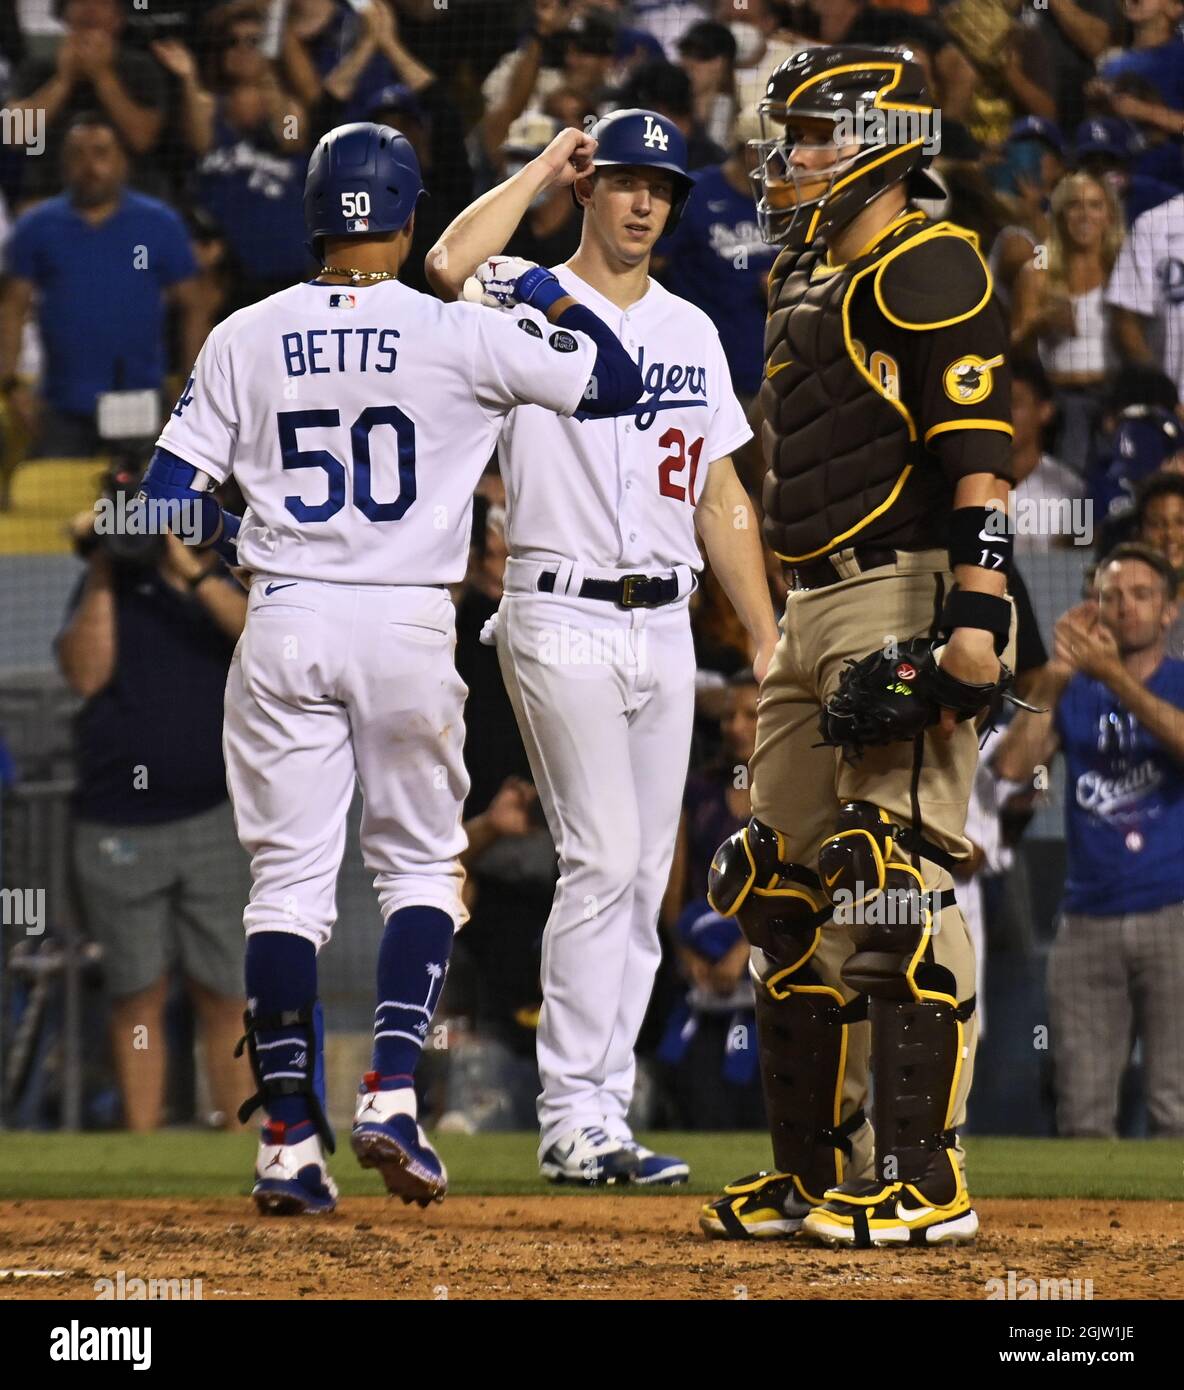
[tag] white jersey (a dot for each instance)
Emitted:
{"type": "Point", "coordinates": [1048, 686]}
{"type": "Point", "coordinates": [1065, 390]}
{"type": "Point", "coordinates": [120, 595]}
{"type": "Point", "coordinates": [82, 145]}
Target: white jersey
{"type": "Point", "coordinates": [357, 422]}
{"type": "Point", "coordinates": [627, 498]}
{"type": "Point", "coordinates": [1148, 278]}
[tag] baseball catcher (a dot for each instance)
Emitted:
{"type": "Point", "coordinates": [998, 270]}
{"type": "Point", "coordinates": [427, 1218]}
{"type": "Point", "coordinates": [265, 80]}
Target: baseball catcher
{"type": "Point", "coordinates": [886, 437]}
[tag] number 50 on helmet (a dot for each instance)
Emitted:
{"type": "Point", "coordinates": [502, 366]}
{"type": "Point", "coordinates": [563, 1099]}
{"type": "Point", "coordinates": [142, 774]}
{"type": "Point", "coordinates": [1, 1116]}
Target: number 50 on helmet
{"type": "Point", "coordinates": [840, 126]}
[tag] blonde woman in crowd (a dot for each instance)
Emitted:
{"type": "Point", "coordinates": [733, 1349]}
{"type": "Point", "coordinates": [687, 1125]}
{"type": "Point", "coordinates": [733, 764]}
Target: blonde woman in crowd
{"type": "Point", "coordinates": [1060, 310]}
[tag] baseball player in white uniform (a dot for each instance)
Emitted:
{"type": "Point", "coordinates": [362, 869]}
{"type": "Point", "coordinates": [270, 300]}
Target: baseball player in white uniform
{"type": "Point", "coordinates": [593, 634]}
{"type": "Point", "coordinates": [1146, 291]}
{"type": "Point", "coordinates": [357, 416]}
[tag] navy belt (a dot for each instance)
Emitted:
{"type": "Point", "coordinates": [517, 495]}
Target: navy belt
{"type": "Point", "coordinates": [630, 591]}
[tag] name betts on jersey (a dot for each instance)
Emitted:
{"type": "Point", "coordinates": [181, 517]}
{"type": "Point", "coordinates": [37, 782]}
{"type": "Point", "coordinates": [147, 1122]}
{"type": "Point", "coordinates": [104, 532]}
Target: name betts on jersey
{"type": "Point", "coordinates": [361, 425]}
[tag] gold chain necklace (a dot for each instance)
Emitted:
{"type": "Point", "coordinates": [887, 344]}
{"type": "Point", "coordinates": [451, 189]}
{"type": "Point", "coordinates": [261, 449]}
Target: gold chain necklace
{"type": "Point", "coordinates": [359, 277]}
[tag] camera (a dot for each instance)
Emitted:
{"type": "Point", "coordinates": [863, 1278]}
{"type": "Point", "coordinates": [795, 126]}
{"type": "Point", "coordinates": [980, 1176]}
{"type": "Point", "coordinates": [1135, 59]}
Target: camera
{"type": "Point", "coordinates": [120, 529]}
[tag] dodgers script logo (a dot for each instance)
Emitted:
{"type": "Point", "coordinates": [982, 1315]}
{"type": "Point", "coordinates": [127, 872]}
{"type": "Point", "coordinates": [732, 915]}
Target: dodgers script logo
{"type": "Point", "coordinates": [687, 380]}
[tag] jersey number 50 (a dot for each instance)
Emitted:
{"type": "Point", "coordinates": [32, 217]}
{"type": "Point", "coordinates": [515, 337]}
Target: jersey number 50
{"type": "Point", "coordinates": [290, 421]}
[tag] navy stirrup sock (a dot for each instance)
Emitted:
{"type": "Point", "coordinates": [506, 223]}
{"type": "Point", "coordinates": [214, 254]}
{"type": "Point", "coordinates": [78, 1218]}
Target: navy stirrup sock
{"type": "Point", "coordinates": [412, 965]}
{"type": "Point", "coordinates": [281, 977]}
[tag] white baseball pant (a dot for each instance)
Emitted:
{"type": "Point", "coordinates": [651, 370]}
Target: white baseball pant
{"type": "Point", "coordinates": [330, 682]}
{"type": "Point", "coordinates": [605, 701]}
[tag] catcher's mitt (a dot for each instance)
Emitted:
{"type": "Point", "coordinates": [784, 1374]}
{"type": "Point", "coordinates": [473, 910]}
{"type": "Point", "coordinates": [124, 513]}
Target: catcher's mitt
{"type": "Point", "coordinates": [891, 699]}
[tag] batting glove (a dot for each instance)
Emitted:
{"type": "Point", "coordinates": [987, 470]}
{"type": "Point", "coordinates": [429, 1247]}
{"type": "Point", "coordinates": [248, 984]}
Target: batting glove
{"type": "Point", "coordinates": [504, 281]}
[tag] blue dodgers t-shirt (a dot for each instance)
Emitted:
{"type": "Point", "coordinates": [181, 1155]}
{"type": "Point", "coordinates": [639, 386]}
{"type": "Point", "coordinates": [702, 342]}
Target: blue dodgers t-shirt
{"type": "Point", "coordinates": [1162, 70]}
{"type": "Point", "coordinates": [1161, 67]}
{"type": "Point", "coordinates": [335, 40]}
{"type": "Point", "coordinates": [718, 261]}
{"type": "Point", "coordinates": [256, 195]}
{"type": "Point", "coordinates": [1124, 801]}
{"type": "Point", "coordinates": [102, 312]}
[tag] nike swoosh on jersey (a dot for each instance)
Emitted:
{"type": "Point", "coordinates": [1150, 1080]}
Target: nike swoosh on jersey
{"type": "Point", "coordinates": [833, 876]}
{"type": "Point", "coordinates": [275, 588]}
{"type": "Point", "coordinates": [780, 366]}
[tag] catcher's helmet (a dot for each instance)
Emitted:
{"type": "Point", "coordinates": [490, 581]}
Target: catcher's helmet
{"type": "Point", "coordinates": [875, 99]}
{"type": "Point", "coordinates": [645, 139]}
{"type": "Point", "coordinates": [362, 178]}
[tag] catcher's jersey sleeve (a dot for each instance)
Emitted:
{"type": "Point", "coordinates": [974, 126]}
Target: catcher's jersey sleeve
{"type": "Point", "coordinates": [965, 378]}
{"type": "Point", "coordinates": [202, 427]}
{"type": "Point", "coordinates": [943, 340]}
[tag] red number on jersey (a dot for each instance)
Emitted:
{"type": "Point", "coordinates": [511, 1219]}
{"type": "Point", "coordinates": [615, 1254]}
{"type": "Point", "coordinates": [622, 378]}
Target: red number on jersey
{"type": "Point", "coordinates": [675, 462]}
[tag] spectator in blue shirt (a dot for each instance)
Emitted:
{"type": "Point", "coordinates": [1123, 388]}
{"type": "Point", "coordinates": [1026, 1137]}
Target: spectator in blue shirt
{"type": "Point", "coordinates": [1145, 84]}
{"type": "Point", "coordinates": [1116, 969]}
{"type": "Point", "coordinates": [716, 259]}
{"type": "Point", "coordinates": [105, 263]}
{"type": "Point", "coordinates": [253, 190]}
{"type": "Point", "coordinates": [708, 1048]}
{"type": "Point", "coordinates": [355, 57]}
{"type": "Point", "coordinates": [251, 139]}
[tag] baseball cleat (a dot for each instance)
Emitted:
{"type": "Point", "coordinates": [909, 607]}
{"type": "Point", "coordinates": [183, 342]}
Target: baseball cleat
{"type": "Point", "coordinates": [291, 1178]}
{"type": "Point", "coordinates": [873, 1213]}
{"type": "Point", "coordinates": [656, 1169]}
{"type": "Point", "coordinates": [387, 1136]}
{"type": "Point", "coordinates": [763, 1206]}
{"type": "Point", "coordinates": [590, 1157]}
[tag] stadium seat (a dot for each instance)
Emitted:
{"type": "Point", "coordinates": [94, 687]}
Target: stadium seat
{"type": "Point", "coordinates": [45, 494]}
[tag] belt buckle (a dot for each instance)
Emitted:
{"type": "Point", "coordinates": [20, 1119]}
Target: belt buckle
{"type": "Point", "coordinates": [628, 584]}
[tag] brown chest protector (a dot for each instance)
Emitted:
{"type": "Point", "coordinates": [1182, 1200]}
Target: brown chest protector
{"type": "Point", "coordinates": [839, 453]}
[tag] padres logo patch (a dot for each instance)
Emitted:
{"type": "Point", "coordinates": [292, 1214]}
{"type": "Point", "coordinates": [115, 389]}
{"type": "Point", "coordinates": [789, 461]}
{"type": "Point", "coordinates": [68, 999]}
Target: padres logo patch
{"type": "Point", "coordinates": [970, 379]}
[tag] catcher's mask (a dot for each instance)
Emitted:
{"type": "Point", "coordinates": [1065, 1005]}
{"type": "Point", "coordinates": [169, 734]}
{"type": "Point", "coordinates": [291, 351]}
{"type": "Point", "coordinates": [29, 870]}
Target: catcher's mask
{"type": "Point", "coordinates": [869, 108]}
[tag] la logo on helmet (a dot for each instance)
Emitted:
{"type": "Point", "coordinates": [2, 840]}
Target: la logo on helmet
{"type": "Point", "coordinates": [654, 135]}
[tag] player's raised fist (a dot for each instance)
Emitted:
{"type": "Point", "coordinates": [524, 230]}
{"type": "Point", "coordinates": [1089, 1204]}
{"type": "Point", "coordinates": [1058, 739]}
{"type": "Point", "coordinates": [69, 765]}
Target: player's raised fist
{"type": "Point", "coordinates": [569, 156]}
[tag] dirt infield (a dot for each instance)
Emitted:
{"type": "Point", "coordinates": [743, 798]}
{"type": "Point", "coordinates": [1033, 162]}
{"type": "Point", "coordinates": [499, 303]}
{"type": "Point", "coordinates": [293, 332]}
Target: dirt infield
{"type": "Point", "coordinates": [565, 1247]}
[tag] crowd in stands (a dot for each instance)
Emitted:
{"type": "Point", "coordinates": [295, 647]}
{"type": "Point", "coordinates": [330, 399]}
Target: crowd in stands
{"type": "Point", "coordinates": [184, 130]}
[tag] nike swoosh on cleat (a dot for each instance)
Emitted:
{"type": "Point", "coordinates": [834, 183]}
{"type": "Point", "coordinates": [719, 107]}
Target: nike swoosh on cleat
{"type": "Point", "coordinates": [909, 1215]}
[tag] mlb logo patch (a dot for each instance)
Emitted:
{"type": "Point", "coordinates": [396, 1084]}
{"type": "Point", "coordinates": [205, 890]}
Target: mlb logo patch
{"type": "Point", "coordinates": [343, 301]}
{"type": "Point", "coordinates": [357, 224]}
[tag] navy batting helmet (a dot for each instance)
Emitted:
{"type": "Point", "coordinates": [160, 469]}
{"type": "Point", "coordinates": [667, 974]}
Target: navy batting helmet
{"type": "Point", "coordinates": [362, 178]}
{"type": "Point", "coordinates": [643, 138]}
